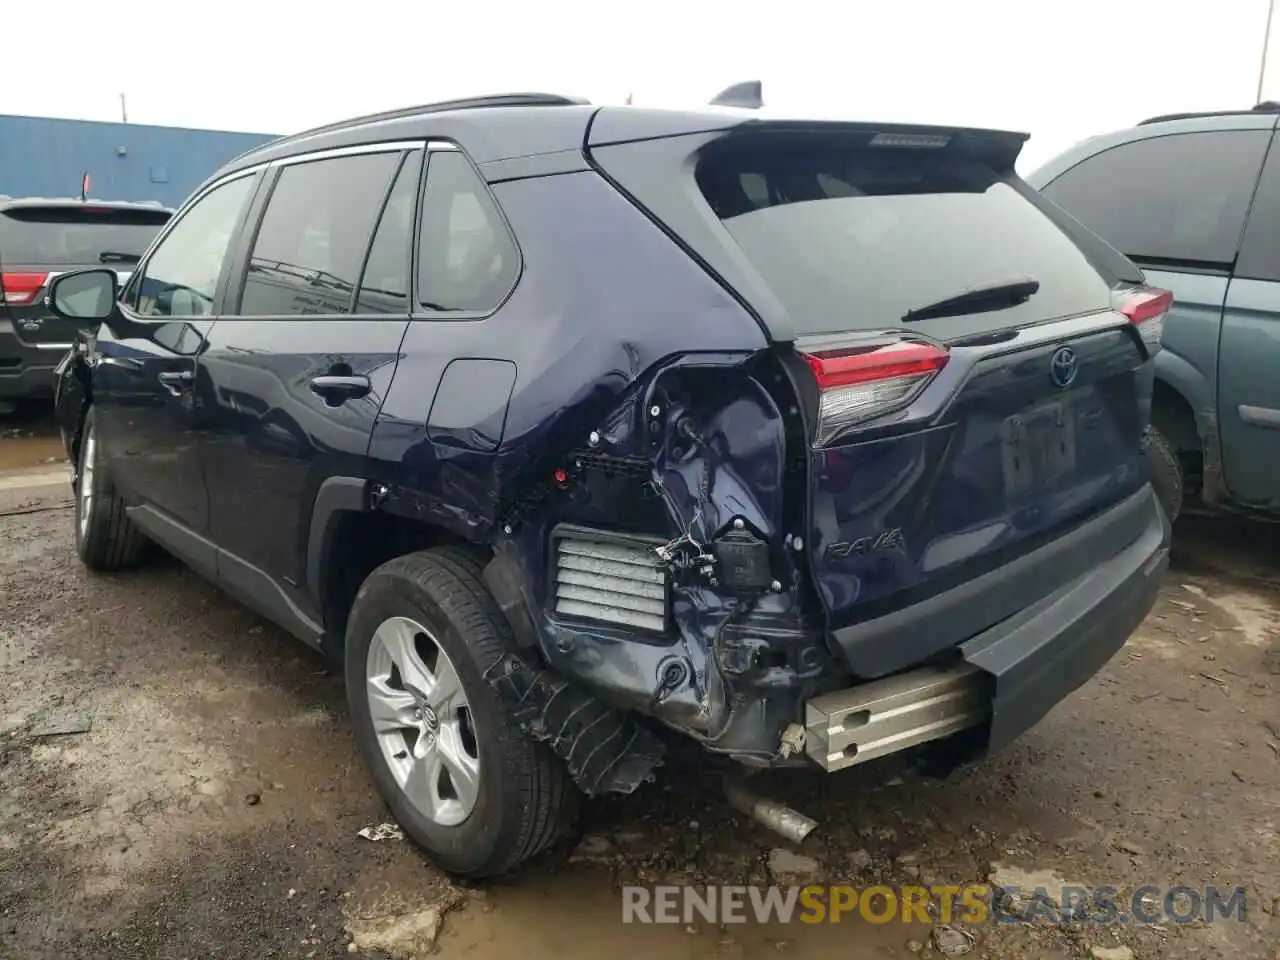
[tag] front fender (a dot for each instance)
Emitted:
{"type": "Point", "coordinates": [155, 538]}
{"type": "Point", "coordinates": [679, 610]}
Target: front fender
{"type": "Point", "coordinates": [72, 395]}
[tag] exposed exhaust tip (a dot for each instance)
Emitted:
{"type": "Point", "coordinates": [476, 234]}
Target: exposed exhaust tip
{"type": "Point", "coordinates": [778, 817]}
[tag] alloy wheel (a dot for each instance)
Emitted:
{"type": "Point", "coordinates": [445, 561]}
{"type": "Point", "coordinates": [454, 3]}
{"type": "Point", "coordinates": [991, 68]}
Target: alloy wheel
{"type": "Point", "coordinates": [423, 721]}
{"type": "Point", "coordinates": [86, 480]}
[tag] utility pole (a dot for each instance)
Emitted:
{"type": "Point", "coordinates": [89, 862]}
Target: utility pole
{"type": "Point", "coordinates": [1266, 41]}
{"type": "Point", "coordinates": [124, 113]}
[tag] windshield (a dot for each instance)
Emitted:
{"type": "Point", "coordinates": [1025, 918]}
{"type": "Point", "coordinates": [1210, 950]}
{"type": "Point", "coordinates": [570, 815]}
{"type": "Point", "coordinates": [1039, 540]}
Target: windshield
{"type": "Point", "coordinates": [856, 238]}
{"type": "Point", "coordinates": [73, 235]}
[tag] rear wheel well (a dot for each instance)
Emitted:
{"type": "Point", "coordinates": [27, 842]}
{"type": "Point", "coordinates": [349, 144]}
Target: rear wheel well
{"type": "Point", "coordinates": [1172, 415]}
{"type": "Point", "coordinates": [359, 543]}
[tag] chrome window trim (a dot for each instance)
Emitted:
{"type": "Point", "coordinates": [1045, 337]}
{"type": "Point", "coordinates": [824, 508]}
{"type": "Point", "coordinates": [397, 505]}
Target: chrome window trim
{"type": "Point", "coordinates": [393, 146]}
{"type": "Point", "coordinates": [390, 146]}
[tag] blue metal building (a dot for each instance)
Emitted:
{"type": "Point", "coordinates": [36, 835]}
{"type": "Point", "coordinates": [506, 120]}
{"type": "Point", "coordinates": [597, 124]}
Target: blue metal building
{"type": "Point", "coordinates": [48, 157]}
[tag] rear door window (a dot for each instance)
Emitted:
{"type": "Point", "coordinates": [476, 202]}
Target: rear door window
{"type": "Point", "coordinates": [1177, 199]}
{"type": "Point", "coordinates": [849, 236]}
{"type": "Point", "coordinates": [314, 233]}
{"type": "Point", "coordinates": [384, 286]}
{"type": "Point", "coordinates": [75, 235]}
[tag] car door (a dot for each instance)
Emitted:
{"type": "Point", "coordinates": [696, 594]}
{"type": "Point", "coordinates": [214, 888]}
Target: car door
{"type": "Point", "coordinates": [144, 367]}
{"type": "Point", "coordinates": [1249, 353]}
{"type": "Point", "coordinates": [299, 361]}
{"type": "Point", "coordinates": [1175, 201]}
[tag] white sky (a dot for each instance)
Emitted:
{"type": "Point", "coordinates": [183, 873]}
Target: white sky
{"type": "Point", "coordinates": [1058, 70]}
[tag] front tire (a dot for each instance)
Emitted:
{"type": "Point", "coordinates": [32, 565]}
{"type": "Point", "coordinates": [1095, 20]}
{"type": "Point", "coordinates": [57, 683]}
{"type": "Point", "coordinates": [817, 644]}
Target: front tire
{"type": "Point", "coordinates": [106, 539]}
{"type": "Point", "coordinates": [465, 783]}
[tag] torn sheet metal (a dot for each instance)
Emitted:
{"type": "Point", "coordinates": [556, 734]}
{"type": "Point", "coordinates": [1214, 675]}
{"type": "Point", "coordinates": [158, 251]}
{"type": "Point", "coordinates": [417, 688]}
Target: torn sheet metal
{"type": "Point", "coordinates": [605, 750]}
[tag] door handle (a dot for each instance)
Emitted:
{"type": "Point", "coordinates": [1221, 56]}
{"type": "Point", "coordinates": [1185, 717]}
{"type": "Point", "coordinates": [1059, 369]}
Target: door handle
{"type": "Point", "coordinates": [177, 381]}
{"type": "Point", "coordinates": [336, 390]}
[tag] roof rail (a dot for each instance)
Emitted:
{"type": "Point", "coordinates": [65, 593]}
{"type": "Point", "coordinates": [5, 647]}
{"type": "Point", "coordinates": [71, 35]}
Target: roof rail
{"type": "Point", "coordinates": [466, 103]}
{"type": "Point", "coordinates": [1266, 106]}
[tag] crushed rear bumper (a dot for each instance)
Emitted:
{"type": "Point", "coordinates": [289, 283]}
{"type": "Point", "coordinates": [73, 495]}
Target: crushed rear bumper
{"type": "Point", "coordinates": [1010, 675]}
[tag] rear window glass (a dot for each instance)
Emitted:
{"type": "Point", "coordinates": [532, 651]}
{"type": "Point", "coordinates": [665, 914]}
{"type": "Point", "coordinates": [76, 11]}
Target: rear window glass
{"type": "Point", "coordinates": [60, 236]}
{"type": "Point", "coordinates": [850, 237]}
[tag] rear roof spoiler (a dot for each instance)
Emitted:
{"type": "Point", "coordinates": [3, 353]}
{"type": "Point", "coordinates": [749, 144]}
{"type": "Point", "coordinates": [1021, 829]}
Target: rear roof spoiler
{"type": "Point", "coordinates": [614, 125]}
{"type": "Point", "coordinates": [65, 203]}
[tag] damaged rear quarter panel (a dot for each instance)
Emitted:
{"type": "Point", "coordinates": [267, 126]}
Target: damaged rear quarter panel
{"type": "Point", "coordinates": [604, 296]}
{"type": "Point", "coordinates": [734, 664]}
{"type": "Point", "coordinates": [610, 320]}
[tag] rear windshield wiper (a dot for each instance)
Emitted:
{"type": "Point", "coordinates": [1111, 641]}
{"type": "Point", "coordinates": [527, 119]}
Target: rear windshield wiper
{"type": "Point", "coordinates": [989, 296]}
{"type": "Point", "coordinates": [113, 256]}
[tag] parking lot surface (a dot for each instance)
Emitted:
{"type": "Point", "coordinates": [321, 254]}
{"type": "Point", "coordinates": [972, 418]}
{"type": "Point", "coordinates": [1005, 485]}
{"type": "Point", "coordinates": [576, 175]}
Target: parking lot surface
{"type": "Point", "coordinates": [178, 780]}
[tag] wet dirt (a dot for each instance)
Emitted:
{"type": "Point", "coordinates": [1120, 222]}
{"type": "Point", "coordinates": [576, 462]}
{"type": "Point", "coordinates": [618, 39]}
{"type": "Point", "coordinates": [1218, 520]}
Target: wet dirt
{"type": "Point", "coordinates": [212, 805]}
{"type": "Point", "coordinates": [29, 437]}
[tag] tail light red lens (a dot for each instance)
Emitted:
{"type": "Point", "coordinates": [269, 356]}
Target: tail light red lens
{"type": "Point", "coordinates": [20, 289]}
{"type": "Point", "coordinates": [1146, 308]}
{"type": "Point", "coordinates": [865, 382]}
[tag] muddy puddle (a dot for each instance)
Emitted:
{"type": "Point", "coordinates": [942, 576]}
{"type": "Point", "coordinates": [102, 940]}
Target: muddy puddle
{"type": "Point", "coordinates": [579, 913]}
{"type": "Point", "coordinates": [29, 438]}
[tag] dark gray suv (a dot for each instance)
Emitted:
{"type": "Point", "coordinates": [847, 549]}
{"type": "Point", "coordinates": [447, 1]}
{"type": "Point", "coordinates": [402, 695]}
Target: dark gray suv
{"type": "Point", "coordinates": [40, 238]}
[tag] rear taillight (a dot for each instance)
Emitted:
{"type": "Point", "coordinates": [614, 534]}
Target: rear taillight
{"type": "Point", "coordinates": [1146, 308]}
{"type": "Point", "coordinates": [20, 289]}
{"type": "Point", "coordinates": [865, 382]}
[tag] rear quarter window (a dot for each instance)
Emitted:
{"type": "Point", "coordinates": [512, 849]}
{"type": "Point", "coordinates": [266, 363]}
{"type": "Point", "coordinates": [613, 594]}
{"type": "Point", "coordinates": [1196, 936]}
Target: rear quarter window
{"type": "Point", "coordinates": [851, 237]}
{"type": "Point", "coordinates": [467, 261]}
{"type": "Point", "coordinates": [1260, 250]}
{"type": "Point", "coordinates": [1176, 198]}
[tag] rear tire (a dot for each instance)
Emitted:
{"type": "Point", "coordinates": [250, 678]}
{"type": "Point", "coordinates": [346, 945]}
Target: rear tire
{"type": "Point", "coordinates": [459, 775]}
{"type": "Point", "coordinates": [106, 539]}
{"type": "Point", "coordinates": [1166, 473]}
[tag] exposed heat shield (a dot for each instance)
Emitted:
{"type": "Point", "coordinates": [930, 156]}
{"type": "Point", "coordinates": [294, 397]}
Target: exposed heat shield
{"type": "Point", "coordinates": [609, 578]}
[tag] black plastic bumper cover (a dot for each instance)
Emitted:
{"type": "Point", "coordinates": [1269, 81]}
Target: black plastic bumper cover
{"type": "Point", "coordinates": [1038, 656]}
{"type": "Point", "coordinates": [912, 634]}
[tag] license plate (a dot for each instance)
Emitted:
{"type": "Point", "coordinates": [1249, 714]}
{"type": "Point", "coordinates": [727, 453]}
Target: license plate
{"type": "Point", "coordinates": [1039, 448]}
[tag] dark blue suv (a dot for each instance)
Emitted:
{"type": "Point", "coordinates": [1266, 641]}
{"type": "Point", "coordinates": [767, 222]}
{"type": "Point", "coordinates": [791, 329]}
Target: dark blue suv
{"type": "Point", "coordinates": [568, 429]}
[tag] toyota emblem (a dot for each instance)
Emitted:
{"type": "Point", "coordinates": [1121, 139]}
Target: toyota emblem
{"type": "Point", "coordinates": [1063, 367]}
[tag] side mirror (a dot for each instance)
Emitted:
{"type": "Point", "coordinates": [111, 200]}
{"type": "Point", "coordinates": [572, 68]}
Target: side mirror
{"type": "Point", "coordinates": [84, 295]}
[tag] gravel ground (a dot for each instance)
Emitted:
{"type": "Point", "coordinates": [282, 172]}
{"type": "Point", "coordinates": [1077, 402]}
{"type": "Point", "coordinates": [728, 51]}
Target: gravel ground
{"type": "Point", "coordinates": [212, 806]}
